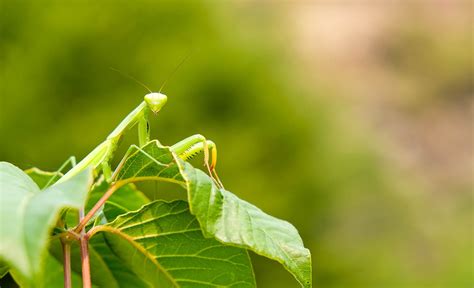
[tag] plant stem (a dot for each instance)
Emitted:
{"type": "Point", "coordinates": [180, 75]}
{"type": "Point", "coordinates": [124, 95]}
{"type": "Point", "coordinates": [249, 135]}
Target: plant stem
{"type": "Point", "coordinates": [84, 237]}
{"type": "Point", "coordinates": [86, 270]}
{"type": "Point", "coordinates": [90, 214]}
{"type": "Point", "coordinates": [84, 241]}
{"type": "Point", "coordinates": [67, 262]}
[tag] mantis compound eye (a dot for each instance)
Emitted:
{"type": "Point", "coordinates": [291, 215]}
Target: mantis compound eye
{"type": "Point", "coordinates": [155, 101]}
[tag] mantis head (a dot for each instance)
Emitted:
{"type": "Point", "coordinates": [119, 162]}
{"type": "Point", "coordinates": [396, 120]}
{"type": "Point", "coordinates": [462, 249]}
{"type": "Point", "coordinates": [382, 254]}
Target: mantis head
{"type": "Point", "coordinates": [155, 101]}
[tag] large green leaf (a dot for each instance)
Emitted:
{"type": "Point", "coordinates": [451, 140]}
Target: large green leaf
{"type": "Point", "coordinates": [235, 221]}
{"type": "Point", "coordinates": [122, 274]}
{"type": "Point", "coordinates": [27, 214]}
{"type": "Point", "coordinates": [222, 214]}
{"type": "Point", "coordinates": [153, 162]}
{"type": "Point", "coordinates": [46, 178]}
{"type": "Point", "coordinates": [41, 178]}
{"type": "Point", "coordinates": [163, 244]}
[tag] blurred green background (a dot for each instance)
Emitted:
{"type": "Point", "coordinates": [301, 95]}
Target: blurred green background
{"type": "Point", "coordinates": [351, 120]}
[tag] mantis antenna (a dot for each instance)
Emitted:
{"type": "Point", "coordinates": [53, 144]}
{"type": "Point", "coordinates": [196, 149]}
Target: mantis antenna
{"type": "Point", "coordinates": [131, 77]}
{"type": "Point", "coordinates": [174, 71]}
{"type": "Point", "coordinates": [164, 83]}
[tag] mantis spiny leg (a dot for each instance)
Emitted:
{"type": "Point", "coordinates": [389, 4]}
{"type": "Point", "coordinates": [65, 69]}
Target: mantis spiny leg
{"type": "Point", "coordinates": [188, 148]}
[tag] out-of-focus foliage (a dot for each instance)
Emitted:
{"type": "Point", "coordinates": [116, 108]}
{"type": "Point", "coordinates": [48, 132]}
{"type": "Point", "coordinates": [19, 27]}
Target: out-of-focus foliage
{"type": "Point", "coordinates": [294, 153]}
{"type": "Point", "coordinates": [28, 214]}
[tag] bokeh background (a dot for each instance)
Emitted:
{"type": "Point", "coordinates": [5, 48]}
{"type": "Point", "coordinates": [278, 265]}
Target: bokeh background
{"type": "Point", "coordinates": [351, 119]}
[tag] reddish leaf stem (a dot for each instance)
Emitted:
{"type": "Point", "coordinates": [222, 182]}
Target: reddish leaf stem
{"type": "Point", "coordinates": [86, 270]}
{"type": "Point", "coordinates": [66, 245]}
{"type": "Point", "coordinates": [84, 242]}
{"type": "Point", "coordinates": [83, 222]}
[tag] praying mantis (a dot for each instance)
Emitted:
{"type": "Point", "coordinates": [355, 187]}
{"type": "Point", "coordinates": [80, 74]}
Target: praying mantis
{"type": "Point", "coordinates": [101, 156]}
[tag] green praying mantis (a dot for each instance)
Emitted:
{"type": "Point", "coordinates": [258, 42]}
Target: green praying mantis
{"type": "Point", "coordinates": [101, 156]}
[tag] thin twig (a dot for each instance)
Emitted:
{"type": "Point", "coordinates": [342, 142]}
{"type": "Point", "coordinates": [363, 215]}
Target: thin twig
{"type": "Point", "coordinates": [84, 242]}
{"type": "Point", "coordinates": [83, 222]}
{"type": "Point", "coordinates": [66, 245]}
{"type": "Point", "coordinates": [86, 270]}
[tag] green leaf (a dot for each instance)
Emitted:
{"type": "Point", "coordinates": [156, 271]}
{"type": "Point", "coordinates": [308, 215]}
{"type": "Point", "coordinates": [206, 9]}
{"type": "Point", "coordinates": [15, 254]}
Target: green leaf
{"type": "Point", "coordinates": [163, 244]}
{"type": "Point", "coordinates": [235, 221]}
{"type": "Point", "coordinates": [27, 214]}
{"type": "Point", "coordinates": [222, 214]}
{"type": "Point", "coordinates": [123, 275]}
{"type": "Point", "coordinates": [3, 269]}
{"type": "Point", "coordinates": [153, 162]}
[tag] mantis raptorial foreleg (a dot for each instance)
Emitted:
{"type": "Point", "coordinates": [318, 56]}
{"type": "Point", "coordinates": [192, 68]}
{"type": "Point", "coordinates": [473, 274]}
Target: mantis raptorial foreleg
{"type": "Point", "coordinates": [187, 148]}
{"type": "Point", "coordinates": [191, 146]}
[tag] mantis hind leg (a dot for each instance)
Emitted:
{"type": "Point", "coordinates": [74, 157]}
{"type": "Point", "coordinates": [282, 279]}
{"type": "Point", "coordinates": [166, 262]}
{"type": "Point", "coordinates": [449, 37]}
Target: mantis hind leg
{"type": "Point", "coordinates": [188, 148]}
